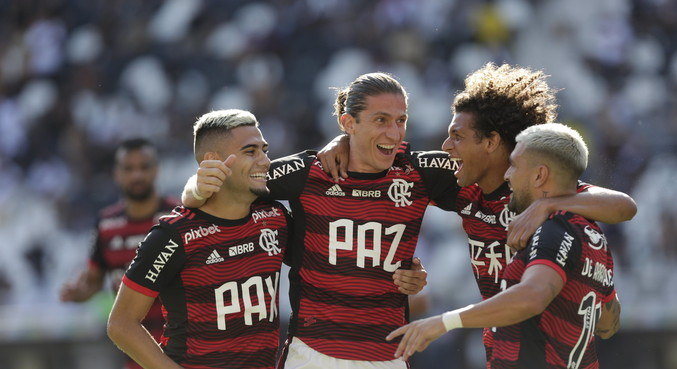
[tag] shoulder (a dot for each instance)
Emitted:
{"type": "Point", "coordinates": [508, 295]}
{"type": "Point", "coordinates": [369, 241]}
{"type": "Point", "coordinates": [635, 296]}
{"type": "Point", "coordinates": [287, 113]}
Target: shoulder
{"type": "Point", "coordinates": [112, 211]}
{"type": "Point", "coordinates": [432, 160]}
{"type": "Point", "coordinates": [291, 164]}
{"type": "Point", "coordinates": [178, 215]}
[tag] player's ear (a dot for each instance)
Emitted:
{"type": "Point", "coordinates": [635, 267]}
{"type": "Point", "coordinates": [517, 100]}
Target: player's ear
{"type": "Point", "coordinates": [212, 155]}
{"type": "Point", "coordinates": [347, 123]}
{"type": "Point", "coordinates": [540, 175]}
{"type": "Point", "coordinates": [493, 141]}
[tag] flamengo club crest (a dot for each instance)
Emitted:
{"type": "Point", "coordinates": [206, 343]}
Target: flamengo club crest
{"type": "Point", "coordinates": [268, 241]}
{"type": "Point", "coordinates": [400, 192]}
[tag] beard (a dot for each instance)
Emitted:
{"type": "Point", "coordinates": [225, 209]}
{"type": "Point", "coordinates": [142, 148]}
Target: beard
{"type": "Point", "coordinates": [260, 192]}
{"type": "Point", "coordinates": [519, 202]}
{"type": "Point", "coordinates": [141, 194]}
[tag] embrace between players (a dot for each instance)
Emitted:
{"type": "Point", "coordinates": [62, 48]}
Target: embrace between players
{"type": "Point", "coordinates": [357, 210]}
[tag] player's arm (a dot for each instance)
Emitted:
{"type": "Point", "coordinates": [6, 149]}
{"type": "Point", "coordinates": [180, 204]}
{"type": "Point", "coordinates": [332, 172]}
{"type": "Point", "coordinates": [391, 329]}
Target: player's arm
{"type": "Point", "coordinates": [207, 181]}
{"type": "Point", "coordinates": [88, 283]}
{"type": "Point", "coordinates": [334, 157]}
{"type": "Point", "coordinates": [126, 331]}
{"type": "Point", "coordinates": [610, 321]}
{"type": "Point", "coordinates": [596, 203]}
{"type": "Point", "coordinates": [539, 285]}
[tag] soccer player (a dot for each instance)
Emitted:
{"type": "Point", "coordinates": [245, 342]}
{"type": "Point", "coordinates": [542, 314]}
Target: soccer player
{"type": "Point", "coordinates": [351, 239]}
{"type": "Point", "coordinates": [216, 268]}
{"type": "Point", "coordinates": [558, 288]}
{"type": "Point", "coordinates": [496, 104]}
{"type": "Point", "coordinates": [122, 226]}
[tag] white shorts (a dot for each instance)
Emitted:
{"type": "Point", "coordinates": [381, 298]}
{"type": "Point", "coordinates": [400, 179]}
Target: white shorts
{"type": "Point", "coordinates": [302, 356]}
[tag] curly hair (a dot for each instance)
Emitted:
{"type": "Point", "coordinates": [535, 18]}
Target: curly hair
{"type": "Point", "coordinates": [507, 100]}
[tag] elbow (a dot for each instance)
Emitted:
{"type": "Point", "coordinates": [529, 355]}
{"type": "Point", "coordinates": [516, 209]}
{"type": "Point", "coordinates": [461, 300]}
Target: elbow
{"type": "Point", "coordinates": [627, 210]}
{"type": "Point", "coordinates": [115, 329]}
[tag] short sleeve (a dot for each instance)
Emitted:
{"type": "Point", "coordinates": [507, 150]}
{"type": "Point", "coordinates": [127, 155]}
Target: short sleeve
{"type": "Point", "coordinates": [555, 244]}
{"type": "Point", "coordinates": [287, 176]}
{"type": "Point", "coordinates": [159, 259]}
{"type": "Point", "coordinates": [437, 172]}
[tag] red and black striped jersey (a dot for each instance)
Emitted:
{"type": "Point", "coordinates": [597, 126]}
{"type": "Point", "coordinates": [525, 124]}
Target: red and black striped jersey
{"type": "Point", "coordinates": [218, 281]}
{"type": "Point", "coordinates": [349, 238]}
{"type": "Point", "coordinates": [116, 240]}
{"type": "Point", "coordinates": [485, 220]}
{"type": "Point", "coordinates": [563, 335]}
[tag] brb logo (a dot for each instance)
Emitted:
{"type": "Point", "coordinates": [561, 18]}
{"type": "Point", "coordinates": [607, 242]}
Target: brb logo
{"type": "Point", "coordinates": [400, 192]}
{"type": "Point", "coordinates": [269, 242]}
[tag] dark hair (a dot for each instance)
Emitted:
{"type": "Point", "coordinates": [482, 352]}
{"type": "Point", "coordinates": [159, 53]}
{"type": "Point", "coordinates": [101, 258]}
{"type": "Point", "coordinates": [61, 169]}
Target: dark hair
{"type": "Point", "coordinates": [132, 144]}
{"type": "Point", "coordinates": [352, 99]}
{"type": "Point", "coordinates": [210, 128]}
{"type": "Point", "coordinates": [507, 100]}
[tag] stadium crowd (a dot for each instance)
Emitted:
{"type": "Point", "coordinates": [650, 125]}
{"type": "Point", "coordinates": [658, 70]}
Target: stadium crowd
{"type": "Point", "coordinates": [79, 76]}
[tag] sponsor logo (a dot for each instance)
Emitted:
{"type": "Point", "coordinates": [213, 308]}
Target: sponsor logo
{"type": "Point", "coordinates": [467, 210]}
{"type": "Point", "coordinates": [199, 232]}
{"type": "Point", "coordinates": [269, 242]}
{"type": "Point", "coordinates": [260, 214]}
{"type": "Point", "coordinates": [335, 190]}
{"type": "Point", "coordinates": [161, 261]}
{"type": "Point", "coordinates": [400, 192]}
{"type": "Point", "coordinates": [598, 272]}
{"type": "Point", "coordinates": [363, 193]}
{"type": "Point", "coordinates": [564, 248]}
{"type": "Point", "coordinates": [443, 163]}
{"type": "Point", "coordinates": [214, 258]}
{"type": "Point", "coordinates": [491, 219]}
{"type": "Point", "coordinates": [241, 249]}
{"type": "Point", "coordinates": [534, 243]}
{"type": "Point", "coordinates": [597, 240]}
{"type": "Point", "coordinates": [506, 217]}
{"type": "Point", "coordinates": [285, 169]}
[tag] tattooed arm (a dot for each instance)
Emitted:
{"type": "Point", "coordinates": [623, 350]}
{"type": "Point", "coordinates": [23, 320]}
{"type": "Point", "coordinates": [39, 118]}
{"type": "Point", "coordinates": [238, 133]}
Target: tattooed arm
{"type": "Point", "coordinates": [610, 321]}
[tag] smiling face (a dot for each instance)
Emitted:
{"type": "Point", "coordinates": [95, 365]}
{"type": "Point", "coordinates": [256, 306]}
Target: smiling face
{"type": "Point", "coordinates": [376, 133]}
{"type": "Point", "coordinates": [251, 163]}
{"type": "Point", "coordinates": [464, 145]}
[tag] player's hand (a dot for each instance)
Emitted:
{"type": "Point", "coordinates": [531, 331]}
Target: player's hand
{"type": "Point", "coordinates": [411, 281]}
{"type": "Point", "coordinates": [69, 292]}
{"type": "Point", "coordinates": [417, 335]}
{"type": "Point", "coordinates": [523, 226]}
{"type": "Point", "coordinates": [211, 174]}
{"type": "Point", "coordinates": [334, 157]}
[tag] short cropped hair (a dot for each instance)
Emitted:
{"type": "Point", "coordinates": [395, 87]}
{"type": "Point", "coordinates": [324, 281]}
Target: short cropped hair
{"type": "Point", "coordinates": [559, 145]}
{"type": "Point", "coordinates": [137, 143]}
{"type": "Point", "coordinates": [352, 99]}
{"type": "Point", "coordinates": [216, 125]}
{"type": "Point", "coordinates": [506, 99]}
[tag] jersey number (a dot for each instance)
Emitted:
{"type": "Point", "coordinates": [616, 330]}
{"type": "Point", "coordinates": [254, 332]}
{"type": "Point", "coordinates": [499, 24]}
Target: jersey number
{"type": "Point", "coordinates": [370, 229]}
{"type": "Point", "coordinates": [251, 287]}
{"type": "Point", "coordinates": [590, 310]}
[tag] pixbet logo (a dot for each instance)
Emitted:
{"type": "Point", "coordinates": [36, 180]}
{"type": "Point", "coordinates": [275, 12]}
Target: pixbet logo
{"type": "Point", "coordinates": [260, 214]}
{"type": "Point", "coordinates": [194, 233]}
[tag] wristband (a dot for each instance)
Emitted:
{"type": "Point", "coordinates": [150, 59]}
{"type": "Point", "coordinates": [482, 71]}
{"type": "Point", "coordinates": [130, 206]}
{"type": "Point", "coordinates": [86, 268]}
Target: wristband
{"type": "Point", "coordinates": [195, 194]}
{"type": "Point", "coordinates": [452, 319]}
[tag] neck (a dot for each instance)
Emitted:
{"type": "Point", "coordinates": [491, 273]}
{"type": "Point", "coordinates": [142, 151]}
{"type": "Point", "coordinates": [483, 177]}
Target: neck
{"type": "Point", "coordinates": [142, 209]}
{"type": "Point", "coordinates": [227, 205]}
{"type": "Point", "coordinates": [494, 178]}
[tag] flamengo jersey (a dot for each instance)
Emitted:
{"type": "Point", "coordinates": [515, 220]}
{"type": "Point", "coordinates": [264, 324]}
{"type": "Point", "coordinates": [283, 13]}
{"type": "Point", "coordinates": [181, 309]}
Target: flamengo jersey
{"type": "Point", "coordinates": [218, 282]}
{"type": "Point", "coordinates": [349, 239]}
{"type": "Point", "coordinates": [117, 237]}
{"type": "Point", "coordinates": [485, 220]}
{"type": "Point", "coordinates": [563, 335]}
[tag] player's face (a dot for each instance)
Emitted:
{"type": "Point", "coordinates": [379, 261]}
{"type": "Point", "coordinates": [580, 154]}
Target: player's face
{"type": "Point", "coordinates": [135, 172]}
{"type": "Point", "coordinates": [251, 163]}
{"type": "Point", "coordinates": [376, 134]}
{"type": "Point", "coordinates": [518, 175]}
{"type": "Point", "coordinates": [464, 145]}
